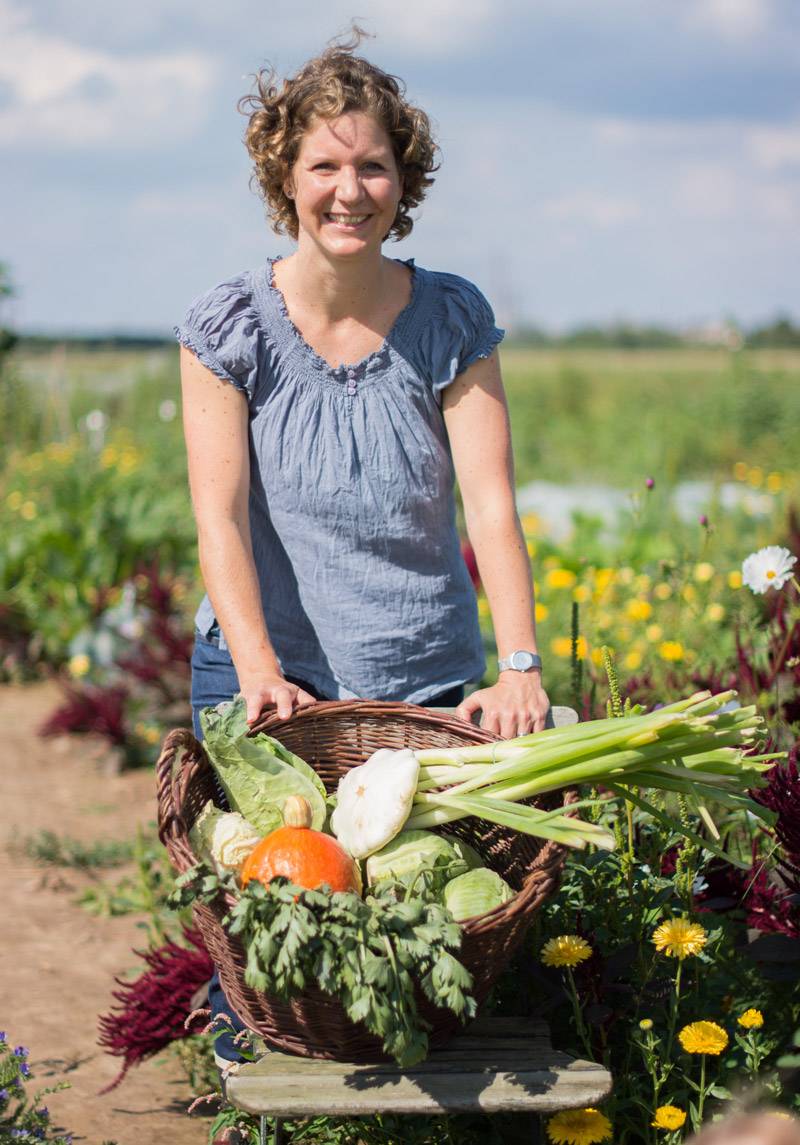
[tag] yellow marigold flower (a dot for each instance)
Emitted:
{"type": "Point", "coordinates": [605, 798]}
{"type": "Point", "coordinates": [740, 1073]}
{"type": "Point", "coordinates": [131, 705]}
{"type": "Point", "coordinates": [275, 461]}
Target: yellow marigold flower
{"type": "Point", "coordinates": [626, 575]}
{"type": "Point", "coordinates": [751, 1019]}
{"type": "Point", "coordinates": [542, 612]}
{"type": "Point", "coordinates": [632, 661]}
{"type": "Point", "coordinates": [703, 572]}
{"type": "Point", "coordinates": [715, 612]}
{"type": "Point", "coordinates": [603, 578]}
{"type": "Point", "coordinates": [79, 665]}
{"type": "Point", "coordinates": [483, 606]}
{"type": "Point", "coordinates": [642, 582]}
{"type": "Point", "coordinates": [654, 632]}
{"type": "Point", "coordinates": [566, 950]}
{"type": "Point", "coordinates": [109, 457]}
{"type": "Point", "coordinates": [740, 470]}
{"type": "Point", "coordinates": [28, 510]}
{"type": "Point", "coordinates": [578, 1127]}
{"type": "Point", "coordinates": [668, 1117]}
{"type": "Point", "coordinates": [703, 1038]}
{"type": "Point", "coordinates": [689, 593]}
{"type": "Point", "coordinates": [624, 634]}
{"type": "Point", "coordinates": [596, 656]}
{"type": "Point", "coordinates": [755, 476]}
{"type": "Point", "coordinates": [531, 522]}
{"type": "Point", "coordinates": [531, 547]}
{"type": "Point", "coordinates": [671, 650]}
{"type": "Point", "coordinates": [581, 593]}
{"type": "Point", "coordinates": [560, 578]}
{"type": "Point", "coordinates": [562, 646]}
{"type": "Point", "coordinates": [604, 620]}
{"type": "Point", "coordinates": [678, 938]}
{"type": "Point", "coordinates": [639, 609]}
{"type": "Point", "coordinates": [774, 482]}
{"type": "Point", "coordinates": [735, 579]}
{"type": "Point", "coordinates": [646, 1024]}
{"type": "Point", "coordinates": [663, 591]}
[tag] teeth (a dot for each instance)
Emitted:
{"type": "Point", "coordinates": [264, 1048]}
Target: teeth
{"type": "Point", "coordinates": [351, 219]}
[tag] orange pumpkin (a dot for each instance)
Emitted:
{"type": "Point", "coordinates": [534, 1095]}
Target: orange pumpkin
{"type": "Point", "coordinates": [305, 857]}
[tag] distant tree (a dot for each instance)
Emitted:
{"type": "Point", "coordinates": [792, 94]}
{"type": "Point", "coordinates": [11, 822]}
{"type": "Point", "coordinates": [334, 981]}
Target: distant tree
{"type": "Point", "coordinates": [780, 334]}
{"type": "Point", "coordinates": [8, 339]}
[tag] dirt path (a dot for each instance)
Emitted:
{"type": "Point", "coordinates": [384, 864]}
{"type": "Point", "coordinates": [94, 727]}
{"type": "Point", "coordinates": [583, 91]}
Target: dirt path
{"type": "Point", "coordinates": [57, 962]}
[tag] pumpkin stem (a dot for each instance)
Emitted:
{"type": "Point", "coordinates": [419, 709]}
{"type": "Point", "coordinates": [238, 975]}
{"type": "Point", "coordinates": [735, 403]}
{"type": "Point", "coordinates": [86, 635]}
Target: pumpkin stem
{"type": "Point", "coordinates": [297, 812]}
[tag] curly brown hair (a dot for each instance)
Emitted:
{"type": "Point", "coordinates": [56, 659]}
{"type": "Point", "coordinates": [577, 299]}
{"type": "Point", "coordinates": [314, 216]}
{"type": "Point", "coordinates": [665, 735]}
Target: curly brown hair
{"type": "Point", "coordinates": [328, 86]}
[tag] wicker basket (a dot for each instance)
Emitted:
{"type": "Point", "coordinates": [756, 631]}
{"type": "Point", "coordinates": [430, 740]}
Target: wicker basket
{"type": "Point", "coordinates": [333, 737]}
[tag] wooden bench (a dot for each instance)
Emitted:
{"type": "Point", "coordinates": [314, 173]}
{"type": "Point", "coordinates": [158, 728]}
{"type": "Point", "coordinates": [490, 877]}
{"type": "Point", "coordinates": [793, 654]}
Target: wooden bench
{"type": "Point", "coordinates": [496, 1065]}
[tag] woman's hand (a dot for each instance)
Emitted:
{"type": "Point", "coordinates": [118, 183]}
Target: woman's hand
{"type": "Point", "coordinates": [515, 705]}
{"type": "Point", "coordinates": [272, 692]}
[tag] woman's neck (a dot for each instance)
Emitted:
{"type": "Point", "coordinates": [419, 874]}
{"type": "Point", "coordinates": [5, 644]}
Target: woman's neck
{"type": "Point", "coordinates": [336, 289]}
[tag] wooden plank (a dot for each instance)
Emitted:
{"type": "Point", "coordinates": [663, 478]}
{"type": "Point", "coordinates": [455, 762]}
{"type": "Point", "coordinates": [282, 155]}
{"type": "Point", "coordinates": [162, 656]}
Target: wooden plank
{"type": "Point", "coordinates": [576, 1085]}
{"type": "Point", "coordinates": [498, 1064]}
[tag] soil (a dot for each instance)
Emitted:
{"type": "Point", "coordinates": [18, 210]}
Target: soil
{"type": "Point", "coordinates": [57, 961]}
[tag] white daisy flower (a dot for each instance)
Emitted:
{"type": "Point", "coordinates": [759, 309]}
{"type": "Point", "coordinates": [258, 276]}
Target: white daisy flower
{"type": "Point", "coordinates": [768, 568]}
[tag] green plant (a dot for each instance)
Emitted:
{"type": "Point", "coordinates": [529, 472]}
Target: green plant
{"type": "Point", "coordinates": [59, 850]}
{"type": "Point", "coordinates": [22, 1116]}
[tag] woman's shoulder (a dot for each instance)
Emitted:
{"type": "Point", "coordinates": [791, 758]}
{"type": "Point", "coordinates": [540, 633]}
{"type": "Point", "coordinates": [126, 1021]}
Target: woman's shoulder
{"type": "Point", "coordinates": [454, 296]}
{"type": "Point", "coordinates": [460, 325]}
{"type": "Point", "coordinates": [223, 327]}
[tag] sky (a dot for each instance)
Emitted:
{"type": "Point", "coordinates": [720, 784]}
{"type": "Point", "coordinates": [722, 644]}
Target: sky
{"type": "Point", "coordinates": [630, 160]}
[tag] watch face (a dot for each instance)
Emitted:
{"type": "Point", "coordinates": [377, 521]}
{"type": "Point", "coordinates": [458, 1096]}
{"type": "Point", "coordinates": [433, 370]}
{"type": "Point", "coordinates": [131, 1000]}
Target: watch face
{"type": "Point", "coordinates": [522, 661]}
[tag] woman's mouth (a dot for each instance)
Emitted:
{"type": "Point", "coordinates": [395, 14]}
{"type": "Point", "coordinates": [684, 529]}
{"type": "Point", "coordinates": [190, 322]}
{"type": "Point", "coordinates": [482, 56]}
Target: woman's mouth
{"type": "Point", "coordinates": [351, 222]}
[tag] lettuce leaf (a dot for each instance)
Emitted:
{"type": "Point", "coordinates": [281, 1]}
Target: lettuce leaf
{"type": "Point", "coordinates": [257, 773]}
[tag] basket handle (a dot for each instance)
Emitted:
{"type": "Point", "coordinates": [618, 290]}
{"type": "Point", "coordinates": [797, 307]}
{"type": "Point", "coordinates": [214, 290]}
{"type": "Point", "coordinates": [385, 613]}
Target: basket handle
{"type": "Point", "coordinates": [171, 783]}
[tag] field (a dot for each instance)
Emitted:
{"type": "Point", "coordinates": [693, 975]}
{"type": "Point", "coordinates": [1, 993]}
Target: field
{"type": "Point", "coordinates": [99, 581]}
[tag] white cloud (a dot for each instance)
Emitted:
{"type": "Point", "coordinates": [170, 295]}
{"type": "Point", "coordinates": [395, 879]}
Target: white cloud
{"type": "Point", "coordinates": [734, 20]}
{"type": "Point", "coordinates": [432, 27]}
{"type": "Point", "coordinates": [707, 190]}
{"type": "Point", "coordinates": [774, 147]}
{"type": "Point", "coordinates": [67, 95]}
{"type": "Point", "coordinates": [593, 208]}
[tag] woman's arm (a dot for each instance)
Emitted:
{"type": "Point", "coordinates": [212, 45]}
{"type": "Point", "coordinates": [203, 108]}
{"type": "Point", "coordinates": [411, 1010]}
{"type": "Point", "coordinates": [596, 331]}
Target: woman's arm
{"type": "Point", "coordinates": [215, 421]}
{"type": "Point", "coordinates": [476, 417]}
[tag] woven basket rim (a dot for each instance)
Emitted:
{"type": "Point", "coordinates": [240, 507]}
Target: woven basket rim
{"type": "Point", "coordinates": [269, 722]}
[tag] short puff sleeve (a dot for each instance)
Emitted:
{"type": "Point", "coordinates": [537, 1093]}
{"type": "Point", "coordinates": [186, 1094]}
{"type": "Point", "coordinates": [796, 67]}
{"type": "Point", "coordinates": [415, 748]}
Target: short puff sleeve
{"type": "Point", "coordinates": [222, 329]}
{"type": "Point", "coordinates": [463, 332]}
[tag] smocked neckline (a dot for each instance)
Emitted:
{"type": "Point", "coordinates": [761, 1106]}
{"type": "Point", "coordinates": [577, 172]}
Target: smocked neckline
{"type": "Point", "coordinates": [379, 357]}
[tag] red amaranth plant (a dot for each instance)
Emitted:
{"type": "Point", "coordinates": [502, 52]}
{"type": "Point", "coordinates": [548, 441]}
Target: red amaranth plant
{"type": "Point", "coordinates": [90, 708]}
{"type": "Point", "coordinates": [151, 1011]}
{"type": "Point", "coordinates": [782, 795]}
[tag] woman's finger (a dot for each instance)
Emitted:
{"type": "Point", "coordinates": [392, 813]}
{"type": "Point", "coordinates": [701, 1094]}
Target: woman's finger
{"type": "Point", "coordinates": [304, 698]}
{"type": "Point", "coordinates": [282, 698]}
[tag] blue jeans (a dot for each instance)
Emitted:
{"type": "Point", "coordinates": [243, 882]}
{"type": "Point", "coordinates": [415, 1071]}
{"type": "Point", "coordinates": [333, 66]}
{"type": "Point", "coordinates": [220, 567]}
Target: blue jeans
{"type": "Point", "coordinates": [214, 680]}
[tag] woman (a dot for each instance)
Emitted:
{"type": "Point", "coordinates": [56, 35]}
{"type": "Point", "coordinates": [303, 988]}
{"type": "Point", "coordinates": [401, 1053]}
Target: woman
{"type": "Point", "coordinates": [329, 398]}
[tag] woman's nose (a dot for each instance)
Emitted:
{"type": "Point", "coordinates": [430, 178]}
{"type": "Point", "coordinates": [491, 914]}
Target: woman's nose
{"type": "Point", "coordinates": [349, 184]}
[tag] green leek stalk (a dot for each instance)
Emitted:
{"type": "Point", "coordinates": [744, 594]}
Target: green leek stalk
{"type": "Point", "coordinates": [689, 747]}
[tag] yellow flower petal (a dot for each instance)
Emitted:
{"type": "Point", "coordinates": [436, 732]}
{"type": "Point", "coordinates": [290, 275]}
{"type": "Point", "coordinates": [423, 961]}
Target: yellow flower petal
{"type": "Point", "coordinates": [679, 938]}
{"type": "Point", "coordinates": [668, 1117]}
{"type": "Point", "coordinates": [703, 1038]}
{"type": "Point", "coordinates": [751, 1019]}
{"type": "Point", "coordinates": [566, 950]}
{"type": "Point", "coordinates": [578, 1127]}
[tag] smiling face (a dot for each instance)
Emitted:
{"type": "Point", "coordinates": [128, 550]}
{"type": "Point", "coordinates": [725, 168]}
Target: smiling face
{"type": "Point", "coordinates": [345, 185]}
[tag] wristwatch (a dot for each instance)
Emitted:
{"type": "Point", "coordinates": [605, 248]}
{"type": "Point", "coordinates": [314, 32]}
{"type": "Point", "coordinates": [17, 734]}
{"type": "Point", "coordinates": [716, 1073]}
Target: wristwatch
{"type": "Point", "coordinates": [520, 661]}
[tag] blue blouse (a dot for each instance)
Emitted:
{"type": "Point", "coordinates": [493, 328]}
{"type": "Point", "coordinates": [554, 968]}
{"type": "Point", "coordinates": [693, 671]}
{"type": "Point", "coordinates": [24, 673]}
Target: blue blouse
{"type": "Point", "coordinates": [352, 512]}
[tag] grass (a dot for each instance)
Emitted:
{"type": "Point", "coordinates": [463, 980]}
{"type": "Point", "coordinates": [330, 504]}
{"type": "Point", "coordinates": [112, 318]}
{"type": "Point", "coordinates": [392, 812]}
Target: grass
{"type": "Point", "coordinates": [50, 849]}
{"type": "Point", "coordinates": [615, 417]}
{"type": "Point", "coordinates": [609, 416]}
